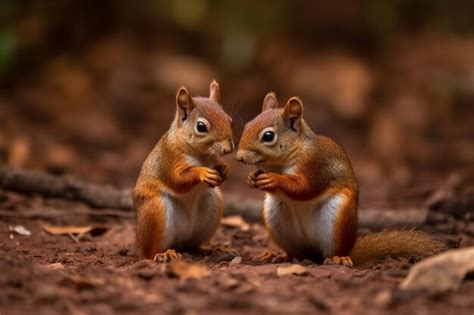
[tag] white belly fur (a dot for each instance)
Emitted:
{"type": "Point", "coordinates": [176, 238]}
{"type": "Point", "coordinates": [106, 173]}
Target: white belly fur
{"type": "Point", "coordinates": [303, 226]}
{"type": "Point", "coordinates": [191, 218]}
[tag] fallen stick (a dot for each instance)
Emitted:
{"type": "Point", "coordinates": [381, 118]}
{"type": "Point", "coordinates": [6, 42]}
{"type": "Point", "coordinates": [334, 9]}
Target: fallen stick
{"type": "Point", "coordinates": [379, 219]}
{"type": "Point", "coordinates": [65, 187]}
{"type": "Point", "coordinates": [107, 197]}
{"type": "Point", "coordinates": [374, 219]}
{"type": "Point", "coordinates": [55, 213]}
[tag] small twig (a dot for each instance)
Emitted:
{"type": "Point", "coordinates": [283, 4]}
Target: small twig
{"type": "Point", "coordinates": [74, 238]}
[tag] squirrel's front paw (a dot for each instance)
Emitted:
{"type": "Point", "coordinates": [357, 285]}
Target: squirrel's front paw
{"type": "Point", "coordinates": [266, 182]}
{"type": "Point", "coordinates": [252, 178]}
{"type": "Point", "coordinates": [223, 170]}
{"type": "Point", "coordinates": [210, 177]}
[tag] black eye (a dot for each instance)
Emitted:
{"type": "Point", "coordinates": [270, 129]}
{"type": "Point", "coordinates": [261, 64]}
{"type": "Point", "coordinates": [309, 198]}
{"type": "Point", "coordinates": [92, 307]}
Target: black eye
{"type": "Point", "coordinates": [268, 136]}
{"type": "Point", "coordinates": [201, 127]}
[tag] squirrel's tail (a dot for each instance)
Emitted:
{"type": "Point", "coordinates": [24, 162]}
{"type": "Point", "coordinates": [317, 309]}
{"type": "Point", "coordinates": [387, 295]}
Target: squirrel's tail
{"type": "Point", "coordinates": [395, 243]}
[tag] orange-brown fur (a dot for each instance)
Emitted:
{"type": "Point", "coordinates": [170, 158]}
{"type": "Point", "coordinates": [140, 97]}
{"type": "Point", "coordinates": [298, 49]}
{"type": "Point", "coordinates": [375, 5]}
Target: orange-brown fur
{"type": "Point", "coordinates": [394, 243]}
{"type": "Point", "coordinates": [345, 229]}
{"type": "Point", "coordinates": [150, 218]}
{"type": "Point", "coordinates": [304, 168]}
{"type": "Point", "coordinates": [182, 160]}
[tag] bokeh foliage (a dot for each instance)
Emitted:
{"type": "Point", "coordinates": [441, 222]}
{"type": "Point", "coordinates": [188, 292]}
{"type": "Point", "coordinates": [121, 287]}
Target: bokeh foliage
{"type": "Point", "coordinates": [227, 31]}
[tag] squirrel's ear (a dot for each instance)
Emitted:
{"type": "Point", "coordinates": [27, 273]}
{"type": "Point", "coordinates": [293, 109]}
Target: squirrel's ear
{"type": "Point", "coordinates": [292, 113]}
{"type": "Point", "coordinates": [185, 103]}
{"type": "Point", "coordinates": [269, 102]}
{"type": "Point", "coordinates": [214, 91]}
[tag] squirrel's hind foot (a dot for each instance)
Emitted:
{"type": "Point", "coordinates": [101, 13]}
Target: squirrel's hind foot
{"type": "Point", "coordinates": [167, 256]}
{"type": "Point", "coordinates": [341, 261]}
{"type": "Point", "coordinates": [270, 257]}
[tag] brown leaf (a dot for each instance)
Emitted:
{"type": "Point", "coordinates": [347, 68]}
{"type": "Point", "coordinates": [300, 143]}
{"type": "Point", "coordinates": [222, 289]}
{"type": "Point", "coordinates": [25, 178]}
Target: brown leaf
{"type": "Point", "coordinates": [184, 270]}
{"type": "Point", "coordinates": [65, 230]}
{"type": "Point", "coordinates": [293, 269]}
{"type": "Point", "coordinates": [228, 281]}
{"type": "Point", "coordinates": [235, 221]}
{"type": "Point", "coordinates": [440, 273]}
{"type": "Point", "coordinates": [55, 266]}
{"type": "Point", "coordinates": [254, 280]}
{"type": "Point", "coordinates": [84, 282]}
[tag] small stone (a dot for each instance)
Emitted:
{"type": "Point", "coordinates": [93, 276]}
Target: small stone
{"type": "Point", "coordinates": [124, 251]}
{"type": "Point", "coordinates": [91, 249]}
{"type": "Point", "coordinates": [237, 260]}
{"type": "Point", "coordinates": [384, 298]}
{"type": "Point", "coordinates": [319, 303]}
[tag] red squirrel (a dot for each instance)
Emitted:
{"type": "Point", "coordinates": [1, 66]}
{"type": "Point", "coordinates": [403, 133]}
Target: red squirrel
{"type": "Point", "coordinates": [177, 201]}
{"type": "Point", "coordinates": [310, 207]}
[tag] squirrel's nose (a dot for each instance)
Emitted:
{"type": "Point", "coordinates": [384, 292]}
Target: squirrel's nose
{"type": "Point", "coordinates": [239, 156]}
{"type": "Point", "coordinates": [226, 149]}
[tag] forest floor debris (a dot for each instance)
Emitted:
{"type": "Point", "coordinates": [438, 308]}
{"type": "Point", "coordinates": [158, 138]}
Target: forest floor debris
{"type": "Point", "coordinates": [100, 273]}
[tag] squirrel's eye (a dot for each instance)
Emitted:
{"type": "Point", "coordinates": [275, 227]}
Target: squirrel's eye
{"type": "Point", "coordinates": [268, 136]}
{"type": "Point", "coordinates": [201, 127]}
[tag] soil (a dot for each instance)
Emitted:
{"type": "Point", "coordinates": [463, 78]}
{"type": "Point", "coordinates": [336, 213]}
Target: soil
{"type": "Point", "coordinates": [99, 272]}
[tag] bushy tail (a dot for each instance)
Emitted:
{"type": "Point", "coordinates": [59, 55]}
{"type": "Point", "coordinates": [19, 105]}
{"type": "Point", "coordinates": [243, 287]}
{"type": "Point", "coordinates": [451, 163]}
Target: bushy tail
{"type": "Point", "coordinates": [395, 243]}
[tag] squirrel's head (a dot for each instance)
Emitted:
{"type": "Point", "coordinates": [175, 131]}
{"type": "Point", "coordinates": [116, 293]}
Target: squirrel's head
{"type": "Point", "coordinates": [202, 124]}
{"type": "Point", "coordinates": [272, 136]}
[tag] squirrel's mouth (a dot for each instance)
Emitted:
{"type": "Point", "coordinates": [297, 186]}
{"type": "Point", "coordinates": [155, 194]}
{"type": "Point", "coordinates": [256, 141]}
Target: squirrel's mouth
{"type": "Point", "coordinates": [218, 150]}
{"type": "Point", "coordinates": [249, 158]}
{"type": "Point", "coordinates": [258, 162]}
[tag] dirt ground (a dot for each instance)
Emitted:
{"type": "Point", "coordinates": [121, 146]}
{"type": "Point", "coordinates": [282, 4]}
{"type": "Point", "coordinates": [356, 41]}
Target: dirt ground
{"type": "Point", "coordinates": [401, 108]}
{"type": "Point", "coordinates": [99, 272]}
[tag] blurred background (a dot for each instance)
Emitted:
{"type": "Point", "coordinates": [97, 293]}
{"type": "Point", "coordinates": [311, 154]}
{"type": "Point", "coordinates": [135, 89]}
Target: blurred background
{"type": "Point", "coordinates": [88, 87]}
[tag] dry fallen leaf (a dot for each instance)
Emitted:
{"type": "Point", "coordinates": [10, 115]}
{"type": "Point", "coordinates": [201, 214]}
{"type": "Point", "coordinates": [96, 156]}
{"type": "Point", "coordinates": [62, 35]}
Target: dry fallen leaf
{"type": "Point", "coordinates": [227, 281]}
{"type": "Point", "coordinates": [184, 270]}
{"type": "Point", "coordinates": [440, 273]}
{"type": "Point", "coordinates": [235, 221]}
{"type": "Point", "coordinates": [293, 269]}
{"type": "Point", "coordinates": [254, 280]}
{"type": "Point", "coordinates": [68, 229]}
{"type": "Point", "coordinates": [19, 229]}
{"type": "Point", "coordinates": [55, 266]}
{"type": "Point", "coordinates": [82, 282]}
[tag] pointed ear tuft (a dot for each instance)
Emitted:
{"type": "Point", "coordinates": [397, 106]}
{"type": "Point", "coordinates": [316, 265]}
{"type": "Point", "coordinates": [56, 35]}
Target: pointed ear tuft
{"type": "Point", "coordinates": [293, 112]}
{"type": "Point", "coordinates": [269, 102]}
{"type": "Point", "coordinates": [185, 103]}
{"type": "Point", "coordinates": [214, 91]}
